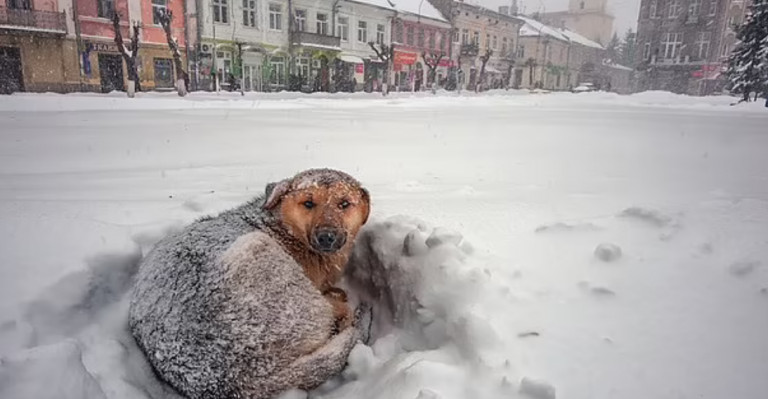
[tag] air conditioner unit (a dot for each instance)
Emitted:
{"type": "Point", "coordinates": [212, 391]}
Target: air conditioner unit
{"type": "Point", "coordinates": [206, 48]}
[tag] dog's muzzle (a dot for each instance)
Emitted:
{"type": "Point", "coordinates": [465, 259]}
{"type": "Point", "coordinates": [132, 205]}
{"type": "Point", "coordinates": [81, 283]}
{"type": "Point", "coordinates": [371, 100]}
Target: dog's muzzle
{"type": "Point", "coordinates": [328, 239]}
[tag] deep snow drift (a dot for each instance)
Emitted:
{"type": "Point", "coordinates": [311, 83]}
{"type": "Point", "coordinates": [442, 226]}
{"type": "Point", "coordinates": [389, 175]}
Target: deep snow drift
{"type": "Point", "coordinates": [592, 245]}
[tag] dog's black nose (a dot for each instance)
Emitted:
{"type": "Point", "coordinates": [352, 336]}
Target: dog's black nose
{"type": "Point", "coordinates": [328, 240]}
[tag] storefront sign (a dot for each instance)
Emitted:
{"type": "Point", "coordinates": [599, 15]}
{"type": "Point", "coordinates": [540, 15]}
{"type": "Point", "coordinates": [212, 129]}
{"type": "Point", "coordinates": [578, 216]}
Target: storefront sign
{"type": "Point", "coordinates": [707, 71]}
{"type": "Point", "coordinates": [102, 47]}
{"type": "Point", "coordinates": [445, 62]}
{"type": "Point", "coordinates": [402, 58]}
{"type": "Point", "coordinates": [359, 68]}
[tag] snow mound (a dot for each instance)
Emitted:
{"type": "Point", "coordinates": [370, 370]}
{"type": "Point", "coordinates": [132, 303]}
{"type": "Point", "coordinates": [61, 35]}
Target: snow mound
{"type": "Point", "coordinates": [608, 252]}
{"type": "Point", "coordinates": [647, 215]}
{"type": "Point", "coordinates": [428, 337]}
{"type": "Point", "coordinates": [427, 340]}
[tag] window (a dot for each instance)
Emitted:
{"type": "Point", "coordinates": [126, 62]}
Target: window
{"type": "Point", "coordinates": [456, 36]}
{"type": "Point", "coordinates": [654, 9]}
{"type": "Point", "coordinates": [495, 43]}
{"type": "Point", "coordinates": [277, 70]}
{"type": "Point", "coordinates": [672, 44]}
{"type": "Point", "coordinates": [342, 28]}
{"type": "Point", "coordinates": [440, 41]}
{"type": "Point", "coordinates": [409, 36]}
{"type": "Point", "coordinates": [431, 43]}
{"type": "Point", "coordinates": [275, 16]}
{"type": "Point", "coordinates": [362, 31]}
{"type": "Point", "coordinates": [712, 7]}
{"type": "Point", "coordinates": [693, 8]}
{"type": "Point", "coordinates": [221, 11]}
{"type": "Point", "coordinates": [158, 7]}
{"type": "Point", "coordinates": [724, 51]}
{"type": "Point", "coordinates": [464, 36]}
{"type": "Point", "coordinates": [249, 13]}
{"type": "Point", "coordinates": [399, 33]}
{"type": "Point", "coordinates": [20, 4]}
{"type": "Point", "coordinates": [421, 37]}
{"type": "Point", "coordinates": [106, 8]}
{"type": "Point", "coordinates": [380, 33]}
{"type": "Point", "coordinates": [301, 20]}
{"type": "Point", "coordinates": [674, 8]}
{"type": "Point", "coordinates": [521, 52]}
{"type": "Point", "coordinates": [647, 50]}
{"type": "Point", "coordinates": [302, 67]}
{"type": "Point", "coordinates": [476, 38]}
{"type": "Point", "coordinates": [702, 44]}
{"type": "Point", "coordinates": [503, 45]}
{"type": "Point", "coordinates": [163, 72]}
{"type": "Point", "coordinates": [322, 24]}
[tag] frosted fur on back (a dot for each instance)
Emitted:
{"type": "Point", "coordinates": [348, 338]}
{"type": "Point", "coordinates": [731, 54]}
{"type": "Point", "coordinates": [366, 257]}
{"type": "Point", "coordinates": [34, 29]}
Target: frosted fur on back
{"type": "Point", "coordinates": [222, 311]}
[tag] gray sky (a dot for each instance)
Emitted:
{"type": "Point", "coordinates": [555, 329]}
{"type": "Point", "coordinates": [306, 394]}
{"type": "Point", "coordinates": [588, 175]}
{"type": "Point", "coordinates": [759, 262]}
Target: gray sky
{"type": "Point", "coordinates": [625, 11]}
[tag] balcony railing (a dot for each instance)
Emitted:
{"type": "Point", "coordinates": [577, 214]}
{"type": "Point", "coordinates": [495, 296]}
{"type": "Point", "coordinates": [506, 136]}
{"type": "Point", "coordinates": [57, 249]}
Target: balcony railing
{"type": "Point", "coordinates": [32, 20]}
{"type": "Point", "coordinates": [315, 40]}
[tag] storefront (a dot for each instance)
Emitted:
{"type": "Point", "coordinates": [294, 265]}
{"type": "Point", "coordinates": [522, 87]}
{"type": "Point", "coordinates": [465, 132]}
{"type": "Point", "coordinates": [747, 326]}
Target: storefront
{"type": "Point", "coordinates": [105, 70]}
{"type": "Point", "coordinates": [404, 65]}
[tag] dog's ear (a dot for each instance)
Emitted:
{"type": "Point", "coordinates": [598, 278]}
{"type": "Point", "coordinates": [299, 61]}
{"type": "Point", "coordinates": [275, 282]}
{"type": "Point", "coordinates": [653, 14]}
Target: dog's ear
{"type": "Point", "coordinates": [274, 193]}
{"type": "Point", "coordinates": [367, 199]}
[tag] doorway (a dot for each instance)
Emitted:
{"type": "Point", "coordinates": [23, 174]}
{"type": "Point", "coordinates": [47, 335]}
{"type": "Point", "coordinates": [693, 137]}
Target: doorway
{"type": "Point", "coordinates": [111, 72]}
{"type": "Point", "coordinates": [11, 78]}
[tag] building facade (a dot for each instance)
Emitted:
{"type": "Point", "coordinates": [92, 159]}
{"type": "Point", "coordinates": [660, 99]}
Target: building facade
{"type": "Point", "coordinates": [35, 51]}
{"type": "Point", "coordinates": [683, 45]}
{"type": "Point", "coordinates": [102, 65]}
{"type": "Point", "coordinates": [589, 18]}
{"type": "Point", "coordinates": [543, 56]}
{"type": "Point", "coordinates": [479, 32]}
{"type": "Point", "coordinates": [419, 30]}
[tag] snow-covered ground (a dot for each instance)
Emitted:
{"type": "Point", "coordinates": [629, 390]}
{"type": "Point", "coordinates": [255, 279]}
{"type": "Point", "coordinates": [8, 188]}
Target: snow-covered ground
{"type": "Point", "coordinates": [613, 246]}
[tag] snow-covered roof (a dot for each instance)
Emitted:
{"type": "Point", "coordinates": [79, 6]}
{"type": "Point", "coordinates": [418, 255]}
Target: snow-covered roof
{"type": "Point", "coordinates": [422, 8]}
{"type": "Point", "coordinates": [575, 37]}
{"type": "Point", "coordinates": [533, 27]}
{"type": "Point", "coordinates": [611, 64]}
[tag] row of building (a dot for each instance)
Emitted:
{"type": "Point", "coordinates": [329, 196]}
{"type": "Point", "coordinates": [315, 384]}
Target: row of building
{"type": "Point", "coordinates": [330, 45]}
{"type": "Point", "coordinates": [308, 45]}
{"type": "Point", "coordinates": [683, 45]}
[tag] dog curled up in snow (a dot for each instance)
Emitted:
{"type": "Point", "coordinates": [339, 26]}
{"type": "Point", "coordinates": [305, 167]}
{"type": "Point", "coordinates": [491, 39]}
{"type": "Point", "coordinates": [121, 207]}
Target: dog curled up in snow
{"type": "Point", "coordinates": [243, 305]}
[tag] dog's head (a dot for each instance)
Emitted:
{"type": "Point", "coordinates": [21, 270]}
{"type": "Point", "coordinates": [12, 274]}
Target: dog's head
{"type": "Point", "coordinates": [322, 208]}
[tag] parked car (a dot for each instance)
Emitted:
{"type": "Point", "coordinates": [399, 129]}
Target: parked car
{"type": "Point", "coordinates": [583, 87]}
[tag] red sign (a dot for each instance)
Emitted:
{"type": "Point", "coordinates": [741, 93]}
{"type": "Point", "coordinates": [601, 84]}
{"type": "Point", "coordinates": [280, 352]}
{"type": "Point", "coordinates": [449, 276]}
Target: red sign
{"type": "Point", "coordinates": [402, 58]}
{"type": "Point", "coordinates": [359, 68]}
{"type": "Point", "coordinates": [445, 62]}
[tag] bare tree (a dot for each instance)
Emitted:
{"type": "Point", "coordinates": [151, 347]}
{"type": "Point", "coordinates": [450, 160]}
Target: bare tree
{"type": "Point", "coordinates": [129, 54]}
{"type": "Point", "coordinates": [386, 54]}
{"type": "Point", "coordinates": [484, 60]}
{"type": "Point", "coordinates": [165, 17]}
{"type": "Point", "coordinates": [432, 61]}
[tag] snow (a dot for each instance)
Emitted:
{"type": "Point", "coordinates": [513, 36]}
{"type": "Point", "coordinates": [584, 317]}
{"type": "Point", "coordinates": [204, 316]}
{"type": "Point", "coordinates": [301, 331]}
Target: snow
{"type": "Point", "coordinates": [575, 37]}
{"type": "Point", "coordinates": [494, 287]}
{"type": "Point", "coordinates": [533, 27]}
{"type": "Point", "coordinates": [415, 7]}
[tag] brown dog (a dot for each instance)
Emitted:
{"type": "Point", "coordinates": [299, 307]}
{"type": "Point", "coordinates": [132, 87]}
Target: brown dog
{"type": "Point", "coordinates": [318, 214]}
{"type": "Point", "coordinates": [243, 304]}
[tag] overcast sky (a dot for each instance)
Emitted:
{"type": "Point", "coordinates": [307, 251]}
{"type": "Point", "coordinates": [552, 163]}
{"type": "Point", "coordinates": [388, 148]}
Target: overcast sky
{"type": "Point", "coordinates": [625, 11]}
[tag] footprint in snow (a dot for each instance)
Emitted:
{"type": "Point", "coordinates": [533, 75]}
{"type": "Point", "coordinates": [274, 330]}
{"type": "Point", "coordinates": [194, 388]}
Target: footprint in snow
{"type": "Point", "coordinates": [607, 252]}
{"type": "Point", "coordinates": [743, 268]}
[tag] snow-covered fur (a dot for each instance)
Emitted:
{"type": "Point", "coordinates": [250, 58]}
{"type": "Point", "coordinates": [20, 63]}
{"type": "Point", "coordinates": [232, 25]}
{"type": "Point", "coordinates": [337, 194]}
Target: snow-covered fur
{"type": "Point", "coordinates": [222, 310]}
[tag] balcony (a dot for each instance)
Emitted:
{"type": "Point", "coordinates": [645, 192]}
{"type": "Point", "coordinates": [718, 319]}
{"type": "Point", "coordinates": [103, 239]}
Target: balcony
{"type": "Point", "coordinates": [314, 40]}
{"type": "Point", "coordinates": [32, 20]}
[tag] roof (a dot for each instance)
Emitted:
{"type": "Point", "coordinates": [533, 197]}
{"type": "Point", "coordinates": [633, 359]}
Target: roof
{"type": "Point", "coordinates": [536, 28]}
{"type": "Point", "coordinates": [575, 37]}
{"type": "Point", "coordinates": [421, 8]}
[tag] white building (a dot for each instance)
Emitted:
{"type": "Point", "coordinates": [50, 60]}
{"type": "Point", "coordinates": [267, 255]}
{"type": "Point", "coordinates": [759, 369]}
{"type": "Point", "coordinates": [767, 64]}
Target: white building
{"type": "Point", "coordinates": [322, 43]}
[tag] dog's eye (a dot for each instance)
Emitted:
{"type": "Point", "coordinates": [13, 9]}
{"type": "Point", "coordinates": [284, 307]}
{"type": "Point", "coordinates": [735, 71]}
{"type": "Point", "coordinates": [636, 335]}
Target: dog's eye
{"type": "Point", "coordinates": [344, 204]}
{"type": "Point", "coordinates": [309, 204]}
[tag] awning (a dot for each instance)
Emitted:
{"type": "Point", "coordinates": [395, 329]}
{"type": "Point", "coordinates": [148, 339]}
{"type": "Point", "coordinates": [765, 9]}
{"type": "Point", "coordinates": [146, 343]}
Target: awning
{"type": "Point", "coordinates": [353, 59]}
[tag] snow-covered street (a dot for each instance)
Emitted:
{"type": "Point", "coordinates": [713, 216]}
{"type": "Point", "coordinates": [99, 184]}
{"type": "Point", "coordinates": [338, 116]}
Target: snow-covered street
{"type": "Point", "coordinates": [674, 305]}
